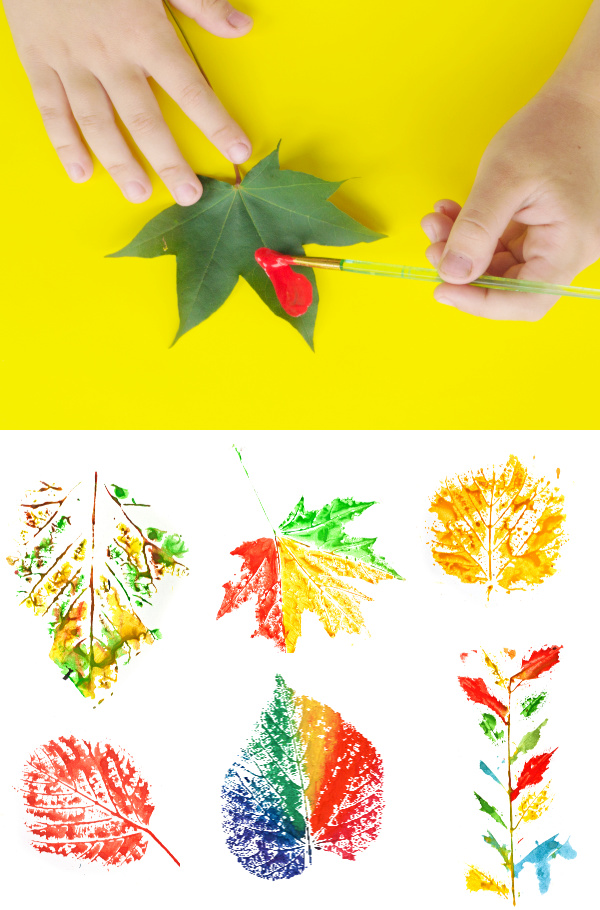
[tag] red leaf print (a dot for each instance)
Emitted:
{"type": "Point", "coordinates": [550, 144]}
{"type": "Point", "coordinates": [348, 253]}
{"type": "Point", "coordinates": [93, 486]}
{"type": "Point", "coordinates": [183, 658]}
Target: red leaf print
{"type": "Point", "coordinates": [538, 663]}
{"type": "Point", "coordinates": [294, 291]}
{"type": "Point", "coordinates": [87, 801]}
{"type": "Point", "coordinates": [260, 582]}
{"type": "Point", "coordinates": [532, 773]}
{"type": "Point", "coordinates": [477, 691]}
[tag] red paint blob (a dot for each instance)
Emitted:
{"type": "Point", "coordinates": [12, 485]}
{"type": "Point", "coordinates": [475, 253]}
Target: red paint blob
{"type": "Point", "coordinates": [294, 291]}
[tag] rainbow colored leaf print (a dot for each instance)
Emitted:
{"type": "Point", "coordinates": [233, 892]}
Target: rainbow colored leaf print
{"type": "Point", "coordinates": [533, 804]}
{"type": "Point", "coordinates": [307, 780]}
{"type": "Point", "coordinates": [304, 566]}
{"type": "Point", "coordinates": [89, 568]}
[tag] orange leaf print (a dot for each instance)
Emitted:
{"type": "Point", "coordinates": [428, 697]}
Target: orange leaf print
{"type": "Point", "coordinates": [500, 527]}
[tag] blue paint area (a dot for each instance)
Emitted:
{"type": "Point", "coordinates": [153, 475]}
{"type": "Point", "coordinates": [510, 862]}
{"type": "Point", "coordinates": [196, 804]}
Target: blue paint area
{"type": "Point", "coordinates": [540, 857]}
{"type": "Point", "coordinates": [259, 833]}
{"type": "Point", "coordinates": [489, 772]}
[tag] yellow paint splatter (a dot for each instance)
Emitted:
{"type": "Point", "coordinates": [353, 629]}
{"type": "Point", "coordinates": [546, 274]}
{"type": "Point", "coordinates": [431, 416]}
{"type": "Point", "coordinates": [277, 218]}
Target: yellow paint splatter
{"type": "Point", "coordinates": [493, 666]}
{"type": "Point", "coordinates": [480, 881]}
{"type": "Point", "coordinates": [315, 580]}
{"type": "Point", "coordinates": [500, 527]}
{"type": "Point", "coordinates": [534, 805]}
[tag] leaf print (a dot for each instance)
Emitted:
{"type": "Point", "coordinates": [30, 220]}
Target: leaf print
{"type": "Point", "coordinates": [488, 725]}
{"type": "Point", "coordinates": [528, 742]}
{"type": "Point", "coordinates": [307, 780]}
{"type": "Point", "coordinates": [538, 663]}
{"type": "Point", "coordinates": [533, 804]}
{"type": "Point", "coordinates": [480, 881]}
{"type": "Point", "coordinates": [305, 567]}
{"type": "Point", "coordinates": [87, 801]}
{"type": "Point", "coordinates": [532, 773]}
{"type": "Point", "coordinates": [531, 704]}
{"type": "Point", "coordinates": [490, 810]}
{"type": "Point", "coordinates": [477, 691]}
{"type": "Point", "coordinates": [89, 568]}
{"type": "Point", "coordinates": [540, 857]}
{"type": "Point", "coordinates": [500, 527]}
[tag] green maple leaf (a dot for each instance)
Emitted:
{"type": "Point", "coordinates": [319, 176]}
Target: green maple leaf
{"type": "Point", "coordinates": [215, 239]}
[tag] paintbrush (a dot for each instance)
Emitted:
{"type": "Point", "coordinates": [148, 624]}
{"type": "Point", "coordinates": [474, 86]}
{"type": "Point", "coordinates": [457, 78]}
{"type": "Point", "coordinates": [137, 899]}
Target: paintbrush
{"type": "Point", "coordinates": [390, 270]}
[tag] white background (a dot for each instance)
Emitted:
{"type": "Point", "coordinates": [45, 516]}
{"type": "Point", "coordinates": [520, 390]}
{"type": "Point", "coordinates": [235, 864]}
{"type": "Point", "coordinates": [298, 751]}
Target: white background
{"type": "Point", "coordinates": [187, 704]}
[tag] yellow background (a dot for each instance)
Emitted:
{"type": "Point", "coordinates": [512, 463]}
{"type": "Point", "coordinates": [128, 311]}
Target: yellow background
{"type": "Point", "coordinates": [402, 96]}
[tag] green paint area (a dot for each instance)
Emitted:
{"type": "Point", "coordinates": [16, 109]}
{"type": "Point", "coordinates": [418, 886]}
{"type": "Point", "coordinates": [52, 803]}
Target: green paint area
{"type": "Point", "coordinates": [324, 529]}
{"type": "Point", "coordinates": [172, 546]}
{"type": "Point", "coordinates": [489, 810]}
{"type": "Point", "coordinates": [501, 848]}
{"type": "Point", "coordinates": [275, 749]}
{"type": "Point", "coordinates": [529, 742]}
{"type": "Point", "coordinates": [488, 725]}
{"type": "Point", "coordinates": [35, 562]}
{"type": "Point", "coordinates": [532, 703]}
{"type": "Point", "coordinates": [120, 492]}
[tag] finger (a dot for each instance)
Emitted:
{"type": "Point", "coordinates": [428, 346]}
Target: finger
{"type": "Point", "coordinates": [138, 108]}
{"type": "Point", "coordinates": [435, 252]}
{"type": "Point", "coordinates": [447, 207]}
{"type": "Point", "coordinates": [59, 122]}
{"type": "Point", "coordinates": [217, 16]}
{"type": "Point", "coordinates": [501, 263]}
{"type": "Point", "coordinates": [478, 228]}
{"type": "Point", "coordinates": [94, 114]}
{"type": "Point", "coordinates": [436, 226]}
{"type": "Point", "coordinates": [496, 304]}
{"type": "Point", "coordinates": [180, 78]}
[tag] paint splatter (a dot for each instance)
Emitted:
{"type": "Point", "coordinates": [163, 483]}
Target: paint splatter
{"type": "Point", "coordinates": [89, 568]}
{"type": "Point", "coordinates": [294, 290]}
{"type": "Point", "coordinates": [87, 801]}
{"type": "Point", "coordinates": [534, 803]}
{"type": "Point", "coordinates": [499, 527]}
{"type": "Point", "coordinates": [306, 781]}
{"type": "Point", "coordinates": [305, 567]}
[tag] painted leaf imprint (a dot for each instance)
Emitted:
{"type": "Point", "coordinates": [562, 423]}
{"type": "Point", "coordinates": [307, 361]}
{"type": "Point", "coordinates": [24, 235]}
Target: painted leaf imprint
{"type": "Point", "coordinates": [306, 781]}
{"type": "Point", "coordinates": [509, 784]}
{"type": "Point", "coordinates": [306, 567]}
{"type": "Point", "coordinates": [89, 568]}
{"type": "Point", "coordinates": [501, 527]}
{"type": "Point", "coordinates": [87, 801]}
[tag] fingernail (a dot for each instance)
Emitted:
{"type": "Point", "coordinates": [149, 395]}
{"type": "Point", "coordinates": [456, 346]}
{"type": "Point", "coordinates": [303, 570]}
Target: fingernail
{"type": "Point", "coordinates": [455, 265]}
{"type": "Point", "coordinates": [238, 20]}
{"type": "Point", "coordinates": [135, 192]}
{"type": "Point", "coordinates": [187, 194]}
{"type": "Point", "coordinates": [76, 172]}
{"type": "Point", "coordinates": [430, 232]}
{"type": "Point", "coordinates": [443, 300]}
{"type": "Point", "coordinates": [239, 153]}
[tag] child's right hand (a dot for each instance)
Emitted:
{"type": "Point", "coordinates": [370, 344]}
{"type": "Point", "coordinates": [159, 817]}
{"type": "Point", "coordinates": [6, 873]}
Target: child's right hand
{"type": "Point", "coordinates": [86, 57]}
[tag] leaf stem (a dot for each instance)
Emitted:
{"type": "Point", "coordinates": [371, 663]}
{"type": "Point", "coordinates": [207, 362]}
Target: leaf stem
{"type": "Point", "coordinates": [91, 655]}
{"type": "Point", "coordinates": [174, 19]}
{"type": "Point", "coordinates": [239, 455]}
{"type": "Point", "coordinates": [512, 854]}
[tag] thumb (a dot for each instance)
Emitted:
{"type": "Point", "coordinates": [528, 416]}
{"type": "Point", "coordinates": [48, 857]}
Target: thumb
{"type": "Point", "coordinates": [216, 16]}
{"type": "Point", "coordinates": [478, 227]}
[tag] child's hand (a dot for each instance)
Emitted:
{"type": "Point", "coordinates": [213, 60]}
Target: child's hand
{"type": "Point", "coordinates": [86, 57]}
{"type": "Point", "coordinates": [533, 212]}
